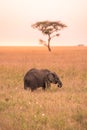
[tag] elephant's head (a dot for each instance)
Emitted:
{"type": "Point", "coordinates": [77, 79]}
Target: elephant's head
{"type": "Point", "coordinates": [53, 78]}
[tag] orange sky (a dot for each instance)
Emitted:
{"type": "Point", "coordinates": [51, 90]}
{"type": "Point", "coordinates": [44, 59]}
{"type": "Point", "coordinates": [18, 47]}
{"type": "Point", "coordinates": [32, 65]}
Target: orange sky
{"type": "Point", "coordinates": [16, 17]}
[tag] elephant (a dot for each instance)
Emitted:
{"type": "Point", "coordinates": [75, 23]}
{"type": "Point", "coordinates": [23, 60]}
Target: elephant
{"type": "Point", "coordinates": [36, 78]}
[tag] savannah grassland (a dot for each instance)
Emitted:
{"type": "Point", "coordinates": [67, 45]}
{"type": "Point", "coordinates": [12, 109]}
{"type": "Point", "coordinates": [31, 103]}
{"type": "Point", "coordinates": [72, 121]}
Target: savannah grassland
{"type": "Point", "coordinates": [55, 109]}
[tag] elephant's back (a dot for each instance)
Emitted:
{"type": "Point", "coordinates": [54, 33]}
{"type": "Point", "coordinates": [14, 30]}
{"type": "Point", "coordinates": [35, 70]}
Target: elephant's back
{"type": "Point", "coordinates": [37, 73]}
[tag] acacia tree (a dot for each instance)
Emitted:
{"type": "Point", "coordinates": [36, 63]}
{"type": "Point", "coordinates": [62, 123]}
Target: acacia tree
{"type": "Point", "coordinates": [49, 28]}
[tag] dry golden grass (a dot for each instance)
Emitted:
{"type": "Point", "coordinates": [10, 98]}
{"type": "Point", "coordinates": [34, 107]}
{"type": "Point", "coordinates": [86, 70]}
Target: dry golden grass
{"type": "Point", "coordinates": [54, 109]}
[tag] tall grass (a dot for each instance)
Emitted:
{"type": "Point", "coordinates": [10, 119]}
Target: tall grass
{"type": "Point", "coordinates": [54, 109]}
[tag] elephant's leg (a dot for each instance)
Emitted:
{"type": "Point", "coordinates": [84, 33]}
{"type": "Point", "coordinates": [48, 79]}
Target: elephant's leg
{"type": "Point", "coordinates": [32, 89]}
{"type": "Point", "coordinates": [44, 86]}
{"type": "Point", "coordinates": [26, 84]}
{"type": "Point", "coordinates": [48, 84]}
{"type": "Point", "coordinates": [25, 87]}
{"type": "Point", "coordinates": [32, 86]}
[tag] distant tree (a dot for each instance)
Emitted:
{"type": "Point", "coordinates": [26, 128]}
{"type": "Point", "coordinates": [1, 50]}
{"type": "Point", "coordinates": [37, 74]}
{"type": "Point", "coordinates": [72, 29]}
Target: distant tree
{"type": "Point", "coordinates": [49, 28]}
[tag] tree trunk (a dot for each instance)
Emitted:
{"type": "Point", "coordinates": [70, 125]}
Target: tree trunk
{"type": "Point", "coordinates": [49, 48]}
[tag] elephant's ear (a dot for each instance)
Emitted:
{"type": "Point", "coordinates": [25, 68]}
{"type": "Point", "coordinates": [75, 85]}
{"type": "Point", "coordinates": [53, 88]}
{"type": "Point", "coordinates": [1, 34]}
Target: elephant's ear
{"type": "Point", "coordinates": [50, 77]}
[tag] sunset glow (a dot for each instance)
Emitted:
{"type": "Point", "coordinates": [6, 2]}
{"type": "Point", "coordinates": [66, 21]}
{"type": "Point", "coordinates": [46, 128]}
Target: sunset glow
{"type": "Point", "coordinates": [17, 16]}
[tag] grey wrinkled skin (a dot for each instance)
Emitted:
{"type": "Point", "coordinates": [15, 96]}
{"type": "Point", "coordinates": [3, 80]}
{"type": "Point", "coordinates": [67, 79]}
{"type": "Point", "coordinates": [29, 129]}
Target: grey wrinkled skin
{"type": "Point", "coordinates": [36, 78]}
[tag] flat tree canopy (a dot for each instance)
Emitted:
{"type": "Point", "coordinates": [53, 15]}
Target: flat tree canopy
{"type": "Point", "coordinates": [49, 28]}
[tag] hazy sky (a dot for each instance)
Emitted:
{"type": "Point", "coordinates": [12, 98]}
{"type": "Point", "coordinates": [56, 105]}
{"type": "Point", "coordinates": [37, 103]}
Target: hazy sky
{"type": "Point", "coordinates": [17, 16]}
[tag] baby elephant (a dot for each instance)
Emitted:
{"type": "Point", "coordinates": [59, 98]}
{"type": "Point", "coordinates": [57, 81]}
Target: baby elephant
{"type": "Point", "coordinates": [36, 78]}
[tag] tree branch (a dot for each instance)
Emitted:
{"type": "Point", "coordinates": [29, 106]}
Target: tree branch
{"type": "Point", "coordinates": [43, 42]}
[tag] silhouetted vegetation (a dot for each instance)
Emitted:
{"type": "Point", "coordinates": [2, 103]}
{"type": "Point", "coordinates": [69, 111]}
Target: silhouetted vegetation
{"type": "Point", "coordinates": [49, 28]}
